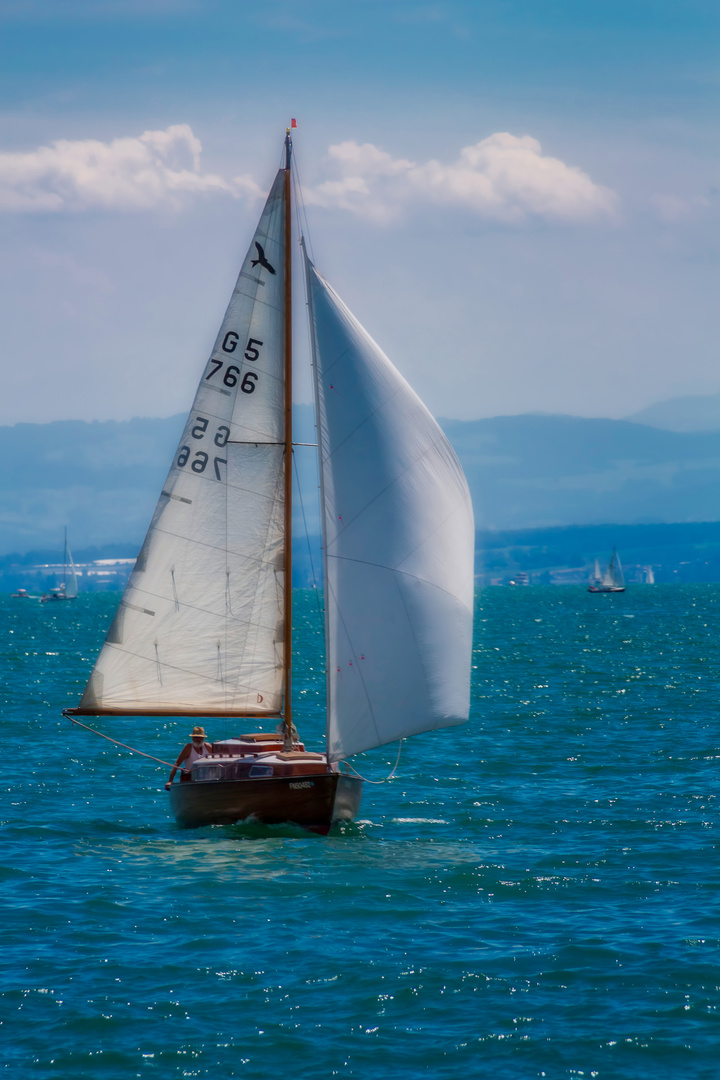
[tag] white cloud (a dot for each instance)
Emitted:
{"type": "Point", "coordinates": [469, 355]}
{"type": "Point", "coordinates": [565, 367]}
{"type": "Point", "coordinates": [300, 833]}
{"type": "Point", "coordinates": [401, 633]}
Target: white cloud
{"type": "Point", "coordinates": [502, 177]}
{"type": "Point", "coordinates": [156, 168]}
{"type": "Point", "coordinates": [671, 209]}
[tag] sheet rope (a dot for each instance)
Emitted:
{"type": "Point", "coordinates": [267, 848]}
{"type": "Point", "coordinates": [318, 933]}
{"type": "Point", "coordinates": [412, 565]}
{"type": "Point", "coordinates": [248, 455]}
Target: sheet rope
{"type": "Point", "coordinates": [388, 777]}
{"type": "Point", "coordinates": [170, 764]}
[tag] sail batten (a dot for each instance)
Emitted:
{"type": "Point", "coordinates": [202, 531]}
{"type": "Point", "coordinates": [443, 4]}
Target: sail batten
{"type": "Point", "coordinates": [200, 627]}
{"type": "Point", "coordinates": [398, 543]}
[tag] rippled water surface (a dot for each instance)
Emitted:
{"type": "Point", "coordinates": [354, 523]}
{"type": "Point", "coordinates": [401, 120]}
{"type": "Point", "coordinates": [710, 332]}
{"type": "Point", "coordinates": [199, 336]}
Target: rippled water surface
{"type": "Point", "coordinates": [536, 894]}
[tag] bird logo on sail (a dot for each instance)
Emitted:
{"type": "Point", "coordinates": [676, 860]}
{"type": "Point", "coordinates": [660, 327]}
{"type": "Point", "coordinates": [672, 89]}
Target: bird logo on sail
{"type": "Point", "coordinates": [261, 259]}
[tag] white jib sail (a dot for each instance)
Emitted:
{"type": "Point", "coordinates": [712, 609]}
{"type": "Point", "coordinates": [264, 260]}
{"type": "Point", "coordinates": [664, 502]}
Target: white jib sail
{"type": "Point", "coordinates": [71, 587]}
{"type": "Point", "coordinates": [398, 545]}
{"type": "Point", "coordinates": [199, 628]}
{"type": "Point", "coordinates": [619, 576]}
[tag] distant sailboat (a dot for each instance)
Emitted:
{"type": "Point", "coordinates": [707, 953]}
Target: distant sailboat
{"type": "Point", "coordinates": [204, 626]}
{"type": "Point", "coordinates": [612, 580]}
{"type": "Point", "coordinates": [649, 575]}
{"type": "Point", "coordinates": [68, 590]}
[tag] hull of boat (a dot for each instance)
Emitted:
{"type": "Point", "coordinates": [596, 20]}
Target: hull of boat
{"type": "Point", "coordinates": [311, 801]}
{"type": "Point", "coordinates": [606, 588]}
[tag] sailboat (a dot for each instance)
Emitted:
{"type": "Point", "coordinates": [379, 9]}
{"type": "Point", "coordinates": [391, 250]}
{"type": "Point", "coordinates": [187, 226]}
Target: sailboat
{"type": "Point", "coordinates": [68, 589]}
{"type": "Point", "coordinates": [204, 627]}
{"type": "Point", "coordinates": [649, 575]}
{"type": "Point", "coordinates": [612, 580]}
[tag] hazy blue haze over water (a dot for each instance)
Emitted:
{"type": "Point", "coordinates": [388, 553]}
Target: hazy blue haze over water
{"type": "Point", "coordinates": [536, 894]}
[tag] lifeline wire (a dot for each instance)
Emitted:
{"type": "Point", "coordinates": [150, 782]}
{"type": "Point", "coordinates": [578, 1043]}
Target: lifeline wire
{"type": "Point", "coordinates": [389, 777]}
{"type": "Point", "coordinates": [125, 746]}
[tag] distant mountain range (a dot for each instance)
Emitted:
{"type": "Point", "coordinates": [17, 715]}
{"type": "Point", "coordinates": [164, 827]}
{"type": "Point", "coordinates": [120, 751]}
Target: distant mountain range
{"type": "Point", "coordinates": [691, 413]}
{"type": "Point", "coordinates": [102, 479]}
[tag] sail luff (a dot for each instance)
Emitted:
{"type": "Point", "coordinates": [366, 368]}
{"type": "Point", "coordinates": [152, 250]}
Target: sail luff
{"type": "Point", "coordinates": [287, 596]}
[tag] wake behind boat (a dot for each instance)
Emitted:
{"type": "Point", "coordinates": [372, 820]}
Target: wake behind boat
{"type": "Point", "coordinates": [204, 626]}
{"type": "Point", "coordinates": [612, 581]}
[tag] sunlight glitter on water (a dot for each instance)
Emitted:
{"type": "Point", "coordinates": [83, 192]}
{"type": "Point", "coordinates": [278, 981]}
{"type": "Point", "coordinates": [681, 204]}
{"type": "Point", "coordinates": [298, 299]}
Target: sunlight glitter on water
{"type": "Point", "coordinates": [535, 894]}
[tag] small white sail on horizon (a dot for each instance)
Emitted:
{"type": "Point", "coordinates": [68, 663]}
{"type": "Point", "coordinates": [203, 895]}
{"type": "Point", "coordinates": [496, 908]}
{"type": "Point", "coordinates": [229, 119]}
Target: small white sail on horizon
{"type": "Point", "coordinates": [398, 543]}
{"type": "Point", "coordinates": [70, 588]}
{"type": "Point", "coordinates": [613, 576]}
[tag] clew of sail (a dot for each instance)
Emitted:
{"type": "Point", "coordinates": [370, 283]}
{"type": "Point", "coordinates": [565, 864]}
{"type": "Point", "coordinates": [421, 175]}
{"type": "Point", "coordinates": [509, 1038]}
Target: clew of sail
{"type": "Point", "coordinates": [398, 543]}
{"type": "Point", "coordinates": [199, 628]}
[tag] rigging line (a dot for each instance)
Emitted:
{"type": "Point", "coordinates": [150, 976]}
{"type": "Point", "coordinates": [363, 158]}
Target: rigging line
{"type": "Point", "coordinates": [307, 537]}
{"type": "Point", "coordinates": [390, 775]}
{"type": "Point", "coordinates": [300, 206]}
{"type": "Point", "coordinates": [311, 339]}
{"type": "Point", "coordinates": [125, 746]}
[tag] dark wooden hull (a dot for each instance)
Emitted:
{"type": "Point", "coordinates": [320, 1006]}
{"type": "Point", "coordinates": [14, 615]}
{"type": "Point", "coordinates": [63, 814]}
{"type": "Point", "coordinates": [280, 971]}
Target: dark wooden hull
{"type": "Point", "coordinates": [313, 801]}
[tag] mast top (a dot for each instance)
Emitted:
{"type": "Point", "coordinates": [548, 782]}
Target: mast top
{"type": "Point", "coordinates": [288, 148]}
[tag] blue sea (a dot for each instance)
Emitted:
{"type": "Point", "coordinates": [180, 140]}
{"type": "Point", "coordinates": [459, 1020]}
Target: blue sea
{"type": "Point", "coordinates": [536, 894]}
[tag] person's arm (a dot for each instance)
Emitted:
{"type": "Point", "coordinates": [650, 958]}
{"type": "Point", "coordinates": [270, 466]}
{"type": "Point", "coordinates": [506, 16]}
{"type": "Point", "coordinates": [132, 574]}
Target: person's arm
{"type": "Point", "coordinates": [181, 757]}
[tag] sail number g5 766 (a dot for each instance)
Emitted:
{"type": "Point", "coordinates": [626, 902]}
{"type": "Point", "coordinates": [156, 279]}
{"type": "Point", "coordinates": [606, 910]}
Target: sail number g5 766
{"type": "Point", "coordinates": [232, 372]}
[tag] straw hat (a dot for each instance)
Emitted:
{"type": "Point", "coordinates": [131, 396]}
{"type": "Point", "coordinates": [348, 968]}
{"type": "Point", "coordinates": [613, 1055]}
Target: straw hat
{"type": "Point", "coordinates": [198, 733]}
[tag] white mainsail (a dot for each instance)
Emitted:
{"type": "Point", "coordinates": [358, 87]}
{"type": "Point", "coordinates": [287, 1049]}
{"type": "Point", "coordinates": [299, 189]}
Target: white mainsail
{"type": "Point", "coordinates": [199, 629]}
{"type": "Point", "coordinates": [398, 543]}
{"type": "Point", "coordinates": [596, 575]}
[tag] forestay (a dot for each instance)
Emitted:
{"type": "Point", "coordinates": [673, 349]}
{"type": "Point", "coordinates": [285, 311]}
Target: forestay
{"type": "Point", "coordinates": [398, 543]}
{"type": "Point", "coordinates": [199, 628]}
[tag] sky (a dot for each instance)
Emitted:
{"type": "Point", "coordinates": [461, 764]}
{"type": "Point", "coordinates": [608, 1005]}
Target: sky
{"type": "Point", "coordinates": [517, 198]}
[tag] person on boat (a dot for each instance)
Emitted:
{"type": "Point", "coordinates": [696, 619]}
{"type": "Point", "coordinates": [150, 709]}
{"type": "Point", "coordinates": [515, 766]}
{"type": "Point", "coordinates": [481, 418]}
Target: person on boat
{"type": "Point", "coordinates": [189, 754]}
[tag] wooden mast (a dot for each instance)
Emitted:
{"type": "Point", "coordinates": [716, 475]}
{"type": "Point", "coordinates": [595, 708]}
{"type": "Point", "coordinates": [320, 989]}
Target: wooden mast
{"type": "Point", "coordinates": [287, 612]}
